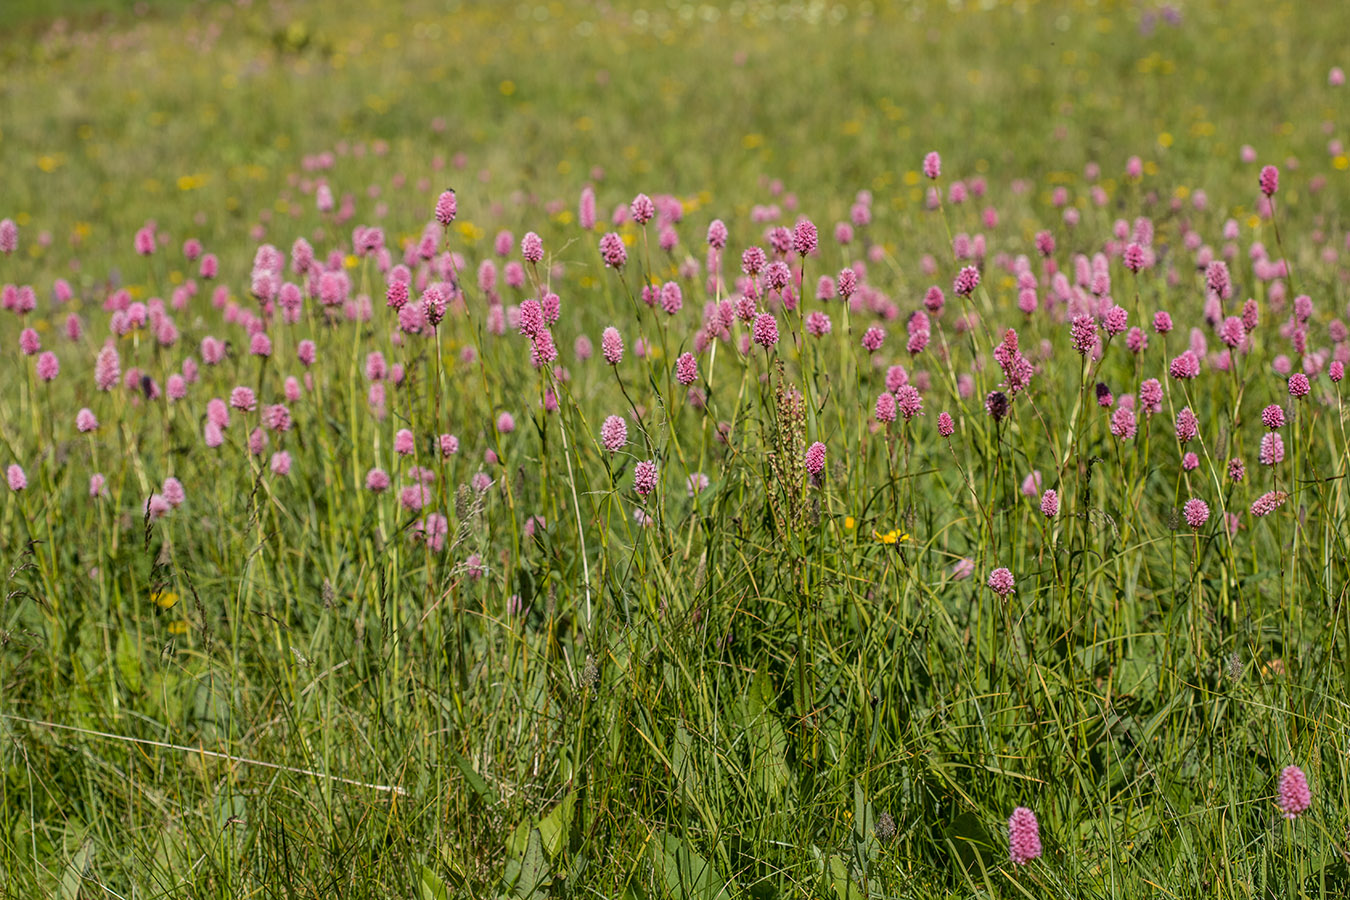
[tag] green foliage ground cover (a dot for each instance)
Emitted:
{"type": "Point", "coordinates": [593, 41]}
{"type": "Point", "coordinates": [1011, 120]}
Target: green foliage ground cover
{"type": "Point", "coordinates": [281, 688]}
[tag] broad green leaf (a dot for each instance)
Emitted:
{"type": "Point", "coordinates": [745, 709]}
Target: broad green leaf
{"type": "Point", "coordinates": [556, 826]}
{"type": "Point", "coordinates": [685, 874]}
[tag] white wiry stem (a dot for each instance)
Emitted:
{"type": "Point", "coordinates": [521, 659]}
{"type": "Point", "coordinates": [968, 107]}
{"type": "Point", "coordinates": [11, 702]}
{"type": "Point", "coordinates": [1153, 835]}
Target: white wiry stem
{"type": "Point", "coordinates": [576, 506]}
{"type": "Point", "coordinates": [388, 788]}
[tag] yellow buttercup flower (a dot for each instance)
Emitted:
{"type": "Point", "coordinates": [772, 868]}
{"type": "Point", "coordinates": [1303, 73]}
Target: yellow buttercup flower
{"type": "Point", "coordinates": [894, 536]}
{"type": "Point", "coordinates": [164, 599]}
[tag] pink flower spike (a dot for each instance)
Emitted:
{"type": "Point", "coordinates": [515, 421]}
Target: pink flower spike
{"type": "Point", "coordinates": [644, 477]}
{"type": "Point", "coordinates": [1269, 180]}
{"type": "Point", "coordinates": [1001, 581]}
{"type": "Point", "coordinates": [1196, 512]}
{"type": "Point", "coordinates": [1295, 797]}
{"type": "Point", "coordinates": [614, 433]}
{"type": "Point", "coordinates": [1024, 835]}
{"type": "Point", "coordinates": [1050, 504]}
{"type": "Point", "coordinates": [932, 165]}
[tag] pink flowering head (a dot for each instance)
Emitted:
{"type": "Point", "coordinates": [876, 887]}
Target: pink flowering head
{"type": "Point", "coordinates": [107, 367]}
{"type": "Point", "coordinates": [532, 248]}
{"type": "Point", "coordinates": [717, 234]}
{"type": "Point", "coordinates": [672, 298]}
{"type": "Point", "coordinates": [446, 208]}
{"type": "Point", "coordinates": [946, 427]}
{"type": "Point", "coordinates": [1024, 835]}
{"type": "Point", "coordinates": [611, 346]}
{"type": "Point", "coordinates": [1001, 582]}
{"type": "Point", "coordinates": [1050, 504]}
{"type": "Point", "coordinates": [449, 444]}
{"type": "Point", "coordinates": [1236, 470]}
{"type": "Point", "coordinates": [9, 236]}
{"type": "Point", "coordinates": [506, 423]}
{"type": "Point", "coordinates": [815, 459]}
{"type": "Point", "coordinates": [1196, 512]}
{"type": "Point", "coordinates": [777, 275]}
{"type": "Point", "coordinates": [16, 478]}
{"type": "Point", "coordinates": [1269, 180]}
{"type": "Point", "coordinates": [243, 399]}
{"type": "Point", "coordinates": [642, 209]}
{"type": "Point", "coordinates": [396, 295]}
{"type": "Point", "coordinates": [1115, 320]}
{"type": "Point", "coordinates": [277, 417]}
{"type": "Point", "coordinates": [1134, 257]}
{"type": "Point", "coordinates": [966, 281]}
{"type": "Point", "coordinates": [48, 366]}
{"type": "Point", "coordinates": [1151, 396]}
{"type": "Point", "coordinates": [909, 401]}
{"type": "Point", "coordinates": [1162, 322]}
{"type": "Point", "coordinates": [686, 369]}
{"type": "Point", "coordinates": [818, 324]}
{"type": "Point", "coordinates": [1123, 424]}
{"type": "Point", "coordinates": [645, 477]}
{"type": "Point", "coordinates": [86, 421]}
{"type": "Point", "coordinates": [1267, 503]}
{"type": "Point", "coordinates": [156, 507]}
{"type": "Point", "coordinates": [1336, 371]}
{"type": "Point", "coordinates": [846, 283]}
{"type": "Point", "coordinates": [805, 238]}
{"type": "Point", "coordinates": [1083, 333]}
{"type": "Point", "coordinates": [304, 352]}
{"type": "Point", "coordinates": [932, 165]}
{"type": "Point", "coordinates": [873, 338]}
{"type": "Point", "coordinates": [173, 492]}
{"type": "Point", "coordinates": [403, 442]}
{"type": "Point", "coordinates": [145, 241]}
{"type": "Point", "coordinates": [1294, 795]}
{"type": "Point", "coordinates": [29, 342]}
{"type": "Point", "coordinates": [97, 484]}
{"type": "Point", "coordinates": [1273, 416]}
{"type": "Point", "coordinates": [586, 209]}
{"type": "Point", "coordinates": [377, 481]}
{"type": "Point", "coordinates": [1272, 449]}
{"type": "Point", "coordinates": [614, 433]}
{"type": "Point", "coordinates": [531, 318]}
{"type": "Point", "coordinates": [1031, 485]}
{"type": "Point", "coordinates": [1185, 366]}
{"type": "Point", "coordinates": [753, 260]}
{"type": "Point", "coordinates": [933, 300]}
{"type": "Point", "coordinates": [260, 345]}
{"type": "Point", "coordinates": [765, 330]}
{"type": "Point", "coordinates": [1217, 280]}
{"type": "Point", "coordinates": [1232, 332]}
{"type": "Point", "coordinates": [612, 250]}
{"type": "Point", "coordinates": [885, 409]}
{"type": "Point", "coordinates": [281, 463]}
{"type": "Point", "coordinates": [1299, 385]}
{"type": "Point", "coordinates": [1190, 462]}
{"type": "Point", "coordinates": [1187, 426]}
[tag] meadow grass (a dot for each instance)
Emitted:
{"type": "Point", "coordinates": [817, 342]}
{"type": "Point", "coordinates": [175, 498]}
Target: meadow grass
{"type": "Point", "coordinates": [515, 672]}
